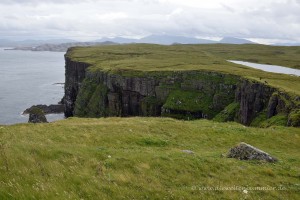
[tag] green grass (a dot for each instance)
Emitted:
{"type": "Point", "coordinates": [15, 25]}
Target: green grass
{"type": "Point", "coordinates": [192, 101]}
{"type": "Point", "coordinates": [158, 60]}
{"type": "Point", "coordinates": [142, 158]}
{"type": "Point", "coordinates": [228, 114]}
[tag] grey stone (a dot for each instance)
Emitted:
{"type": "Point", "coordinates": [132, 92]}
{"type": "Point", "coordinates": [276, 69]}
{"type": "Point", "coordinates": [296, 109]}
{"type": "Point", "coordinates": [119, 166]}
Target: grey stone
{"type": "Point", "coordinates": [187, 151]}
{"type": "Point", "coordinates": [245, 151]}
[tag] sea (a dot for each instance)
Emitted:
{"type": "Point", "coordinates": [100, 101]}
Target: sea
{"type": "Point", "coordinates": [29, 78]}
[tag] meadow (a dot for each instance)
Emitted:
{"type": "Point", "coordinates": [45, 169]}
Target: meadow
{"type": "Point", "coordinates": [143, 158]}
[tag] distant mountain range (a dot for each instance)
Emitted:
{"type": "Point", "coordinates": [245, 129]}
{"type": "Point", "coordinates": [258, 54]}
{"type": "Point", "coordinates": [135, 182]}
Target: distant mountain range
{"type": "Point", "coordinates": [232, 40]}
{"type": "Point", "coordinates": [64, 44]}
{"type": "Point", "coordinates": [159, 39]}
{"type": "Point", "coordinates": [170, 39]}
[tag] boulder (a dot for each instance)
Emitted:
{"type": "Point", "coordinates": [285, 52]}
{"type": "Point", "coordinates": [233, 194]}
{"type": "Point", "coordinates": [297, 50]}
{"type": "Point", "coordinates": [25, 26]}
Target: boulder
{"type": "Point", "coordinates": [37, 115]}
{"type": "Point", "coordinates": [245, 151]}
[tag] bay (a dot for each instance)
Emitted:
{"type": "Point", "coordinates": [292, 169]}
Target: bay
{"type": "Point", "coordinates": [28, 78]}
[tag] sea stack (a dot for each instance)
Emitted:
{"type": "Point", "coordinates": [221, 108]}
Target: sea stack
{"type": "Point", "coordinates": [37, 115]}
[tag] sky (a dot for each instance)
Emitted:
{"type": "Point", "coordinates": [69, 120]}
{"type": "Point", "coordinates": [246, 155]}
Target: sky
{"type": "Point", "coordinates": [259, 20]}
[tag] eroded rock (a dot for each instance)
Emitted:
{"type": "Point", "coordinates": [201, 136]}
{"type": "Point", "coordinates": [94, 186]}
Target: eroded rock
{"type": "Point", "coordinates": [37, 115]}
{"type": "Point", "coordinates": [51, 109]}
{"type": "Point", "coordinates": [245, 151]}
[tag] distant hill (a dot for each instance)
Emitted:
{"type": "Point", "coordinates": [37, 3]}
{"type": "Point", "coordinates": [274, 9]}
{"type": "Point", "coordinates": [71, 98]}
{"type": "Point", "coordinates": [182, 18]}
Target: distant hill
{"type": "Point", "coordinates": [169, 39]}
{"type": "Point", "coordinates": [60, 47]}
{"type": "Point", "coordinates": [31, 43]}
{"type": "Point", "coordinates": [232, 40]}
{"type": "Point", "coordinates": [64, 44]}
{"type": "Point", "coordinates": [120, 40]}
{"type": "Point", "coordinates": [152, 39]}
{"type": "Point", "coordinates": [159, 39]}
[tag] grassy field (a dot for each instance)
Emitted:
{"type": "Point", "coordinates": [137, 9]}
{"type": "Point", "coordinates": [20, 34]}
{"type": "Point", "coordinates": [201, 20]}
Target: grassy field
{"type": "Point", "coordinates": [142, 158]}
{"type": "Point", "coordinates": [149, 59]}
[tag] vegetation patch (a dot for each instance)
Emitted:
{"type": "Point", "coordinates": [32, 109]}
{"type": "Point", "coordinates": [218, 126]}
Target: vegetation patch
{"type": "Point", "coordinates": [294, 118]}
{"type": "Point", "coordinates": [228, 114]}
{"type": "Point", "coordinates": [277, 120]}
{"type": "Point", "coordinates": [91, 100]}
{"type": "Point", "coordinates": [259, 119]}
{"type": "Point", "coordinates": [95, 107]}
{"type": "Point", "coordinates": [262, 121]}
{"type": "Point", "coordinates": [192, 101]}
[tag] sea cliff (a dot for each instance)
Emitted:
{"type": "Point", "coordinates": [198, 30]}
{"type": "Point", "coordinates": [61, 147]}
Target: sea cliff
{"type": "Point", "coordinates": [182, 94]}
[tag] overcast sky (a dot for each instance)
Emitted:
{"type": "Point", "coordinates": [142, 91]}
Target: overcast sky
{"type": "Point", "coordinates": [261, 20]}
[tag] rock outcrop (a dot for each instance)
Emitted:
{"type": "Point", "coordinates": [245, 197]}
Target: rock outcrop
{"type": "Point", "coordinates": [253, 98]}
{"type": "Point", "coordinates": [37, 115]}
{"type": "Point", "coordinates": [245, 151]}
{"type": "Point", "coordinates": [51, 109]}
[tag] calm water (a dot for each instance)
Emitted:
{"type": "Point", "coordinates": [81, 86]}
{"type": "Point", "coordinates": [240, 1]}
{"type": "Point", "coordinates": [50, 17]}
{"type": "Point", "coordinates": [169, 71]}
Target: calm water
{"type": "Point", "coordinates": [28, 78]}
{"type": "Point", "coordinates": [269, 68]}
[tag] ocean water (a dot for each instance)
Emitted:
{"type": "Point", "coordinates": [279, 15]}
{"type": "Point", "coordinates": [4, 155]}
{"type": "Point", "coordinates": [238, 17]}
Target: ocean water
{"type": "Point", "coordinates": [28, 78]}
{"type": "Point", "coordinates": [269, 68]}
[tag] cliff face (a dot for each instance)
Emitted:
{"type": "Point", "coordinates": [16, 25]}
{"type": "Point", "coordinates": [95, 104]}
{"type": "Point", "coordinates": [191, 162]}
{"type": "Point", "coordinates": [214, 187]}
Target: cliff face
{"type": "Point", "coordinates": [179, 95]}
{"type": "Point", "coordinates": [253, 98]}
{"type": "Point", "coordinates": [74, 75]}
{"type": "Point", "coordinates": [184, 95]}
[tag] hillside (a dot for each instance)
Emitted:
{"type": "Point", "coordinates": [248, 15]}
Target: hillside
{"type": "Point", "coordinates": [184, 82]}
{"type": "Point", "coordinates": [212, 57]}
{"type": "Point", "coordinates": [142, 158]}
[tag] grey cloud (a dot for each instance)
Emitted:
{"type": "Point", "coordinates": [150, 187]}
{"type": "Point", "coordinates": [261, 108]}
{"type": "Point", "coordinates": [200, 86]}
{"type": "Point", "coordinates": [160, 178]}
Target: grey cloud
{"type": "Point", "coordinates": [273, 19]}
{"type": "Point", "coordinates": [32, 2]}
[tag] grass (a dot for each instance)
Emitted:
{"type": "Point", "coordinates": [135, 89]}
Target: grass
{"type": "Point", "coordinates": [142, 158]}
{"type": "Point", "coordinates": [158, 60]}
{"type": "Point", "coordinates": [228, 114]}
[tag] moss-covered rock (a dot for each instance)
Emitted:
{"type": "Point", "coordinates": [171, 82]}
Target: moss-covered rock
{"type": "Point", "coordinates": [294, 118]}
{"type": "Point", "coordinates": [37, 115]}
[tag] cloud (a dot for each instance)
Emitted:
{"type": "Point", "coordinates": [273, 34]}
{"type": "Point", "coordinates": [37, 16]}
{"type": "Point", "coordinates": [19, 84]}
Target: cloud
{"type": "Point", "coordinates": [31, 2]}
{"type": "Point", "coordinates": [92, 19]}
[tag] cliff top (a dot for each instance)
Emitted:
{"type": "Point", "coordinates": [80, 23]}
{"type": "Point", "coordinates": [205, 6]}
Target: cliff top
{"type": "Point", "coordinates": [139, 59]}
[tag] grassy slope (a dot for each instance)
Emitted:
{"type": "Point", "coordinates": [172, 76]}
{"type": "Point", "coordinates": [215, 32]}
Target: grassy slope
{"type": "Point", "coordinates": [140, 59]}
{"type": "Point", "coordinates": [69, 159]}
